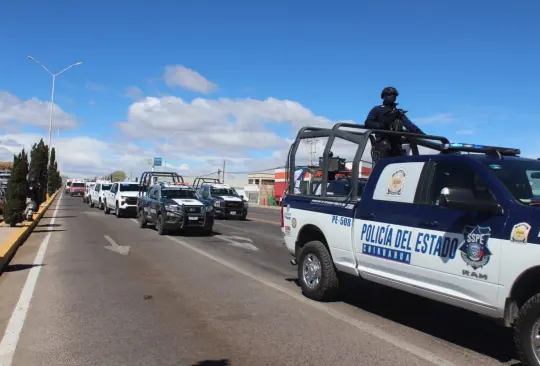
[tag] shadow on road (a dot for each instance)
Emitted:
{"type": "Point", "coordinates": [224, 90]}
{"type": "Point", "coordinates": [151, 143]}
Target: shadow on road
{"type": "Point", "coordinates": [20, 267]}
{"type": "Point", "coordinates": [59, 217]}
{"type": "Point", "coordinates": [49, 225]}
{"type": "Point", "coordinates": [194, 234]}
{"type": "Point", "coordinates": [47, 231]}
{"type": "Point", "coordinates": [212, 363]}
{"type": "Point", "coordinates": [442, 321]}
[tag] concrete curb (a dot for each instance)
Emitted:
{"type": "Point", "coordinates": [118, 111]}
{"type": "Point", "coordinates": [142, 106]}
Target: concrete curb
{"type": "Point", "coordinates": [266, 207]}
{"type": "Point", "coordinates": [9, 247]}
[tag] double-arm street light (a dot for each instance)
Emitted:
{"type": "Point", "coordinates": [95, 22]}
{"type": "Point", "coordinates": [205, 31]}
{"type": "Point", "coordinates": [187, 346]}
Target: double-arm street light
{"type": "Point", "coordinates": [52, 92]}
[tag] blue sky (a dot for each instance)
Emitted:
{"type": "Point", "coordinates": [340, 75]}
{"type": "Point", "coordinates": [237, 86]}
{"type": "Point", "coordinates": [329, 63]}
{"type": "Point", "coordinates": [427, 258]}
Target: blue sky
{"type": "Point", "coordinates": [460, 66]}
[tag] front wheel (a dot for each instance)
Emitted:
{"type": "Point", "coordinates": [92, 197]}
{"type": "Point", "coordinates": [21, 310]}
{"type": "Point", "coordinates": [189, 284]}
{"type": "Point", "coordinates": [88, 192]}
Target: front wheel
{"type": "Point", "coordinates": [91, 203]}
{"type": "Point", "coordinates": [527, 332]}
{"type": "Point", "coordinates": [243, 217]}
{"type": "Point", "coordinates": [316, 272]}
{"type": "Point", "coordinates": [106, 208]}
{"type": "Point", "coordinates": [160, 223]}
{"type": "Point", "coordinates": [117, 212]}
{"type": "Point", "coordinates": [142, 219]}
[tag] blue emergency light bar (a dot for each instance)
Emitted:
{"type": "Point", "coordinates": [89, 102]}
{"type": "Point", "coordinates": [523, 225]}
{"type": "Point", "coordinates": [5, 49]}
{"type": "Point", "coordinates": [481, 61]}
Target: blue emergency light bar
{"type": "Point", "coordinates": [482, 149]}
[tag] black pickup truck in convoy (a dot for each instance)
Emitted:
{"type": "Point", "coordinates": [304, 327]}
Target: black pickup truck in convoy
{"type": "Point", "coordinates": [171, 205]}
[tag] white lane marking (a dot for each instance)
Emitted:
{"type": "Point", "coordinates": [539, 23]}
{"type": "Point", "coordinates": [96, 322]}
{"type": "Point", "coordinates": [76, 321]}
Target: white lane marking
{"type": "Point", "coordinates": [365, 327]}
{"type": "Point", "coordinates": [238, 241]}
{"type": "Point", "coordinates": [18, 317]}
{"type": "Point", "coordinates": [120, 249]}
{"type": "Point", "coordinates": [135, 221]}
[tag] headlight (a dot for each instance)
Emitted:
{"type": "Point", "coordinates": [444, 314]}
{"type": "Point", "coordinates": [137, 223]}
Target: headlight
{"type": "Point", "coordinates": [173, 208]}
{"type": "Point", "coordinates": [217, 203]}
{"type": "Point", "coordinates": [124, 197]}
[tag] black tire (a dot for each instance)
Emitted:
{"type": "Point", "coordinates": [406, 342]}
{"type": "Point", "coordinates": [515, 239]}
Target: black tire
{"type": "Point", "coordinates": [117, 211]}
{"type": "Point", "coordinates": [91, 203]}
{"type": "Point", "coordinates": [159, 225]}
{"type": "Point", "coordinates": [243, 217]}
{"type": "Point", "coordinates": [528, 315]}
{"type": "Point", "coordinates": [106, 208]}
{"type": "Point", "coordinates": [142, 219]}
{"type": "Point", "coordinates": [327, 288]}
{"type": "Point", "coordinates": [100, 205]}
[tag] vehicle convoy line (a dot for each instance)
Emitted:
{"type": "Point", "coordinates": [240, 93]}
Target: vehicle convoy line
{"type": "Point", "coordinates": [365, 327]}
{"type": "Point", "coordinates": [14, 328]}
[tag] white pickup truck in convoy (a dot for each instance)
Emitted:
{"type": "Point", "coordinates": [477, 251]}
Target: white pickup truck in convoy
{"type": "Point", "coordinates": [122, 198]}
{"type": "Point", "coordinates": [98, 194]}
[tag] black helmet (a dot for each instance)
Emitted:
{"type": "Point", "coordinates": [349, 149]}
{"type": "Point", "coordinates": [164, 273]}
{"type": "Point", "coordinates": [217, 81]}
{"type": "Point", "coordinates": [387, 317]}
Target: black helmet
{"type": "Point", "coordinates": [389, 90]}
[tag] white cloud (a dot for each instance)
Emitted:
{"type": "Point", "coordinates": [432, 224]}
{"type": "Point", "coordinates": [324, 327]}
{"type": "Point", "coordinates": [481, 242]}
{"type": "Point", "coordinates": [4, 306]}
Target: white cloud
{"type": "Point", "coordinates": [441, 118]}
{"type": "Point", "coordinates": [178, 75]}
{"type": "Point", "coordinates": [134, 93]}
{"type": "Point", "coordinates": [32, 112]}
{"type": "Point", "coordinates": [94, 86]}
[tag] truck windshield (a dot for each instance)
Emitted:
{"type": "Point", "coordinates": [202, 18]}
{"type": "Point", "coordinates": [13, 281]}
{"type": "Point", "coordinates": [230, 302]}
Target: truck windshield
{"type": "Point", "coordinates": [129, 187]}
{"type": "Point", "coordinates": [223, 192]}
{"type": "Point", "coordinates": [106, 187]}
{"type": "Point", "coordinates": [520, 177]}
{"type": "Point", "coordinates": [77, 184]}
{"type": "Point", "coordinates": [179, 193]}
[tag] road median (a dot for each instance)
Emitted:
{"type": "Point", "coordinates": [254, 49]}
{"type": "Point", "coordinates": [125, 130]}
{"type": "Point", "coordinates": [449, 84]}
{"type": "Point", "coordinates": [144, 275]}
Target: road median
{"type": "Point", "coordinates": [16, 236]}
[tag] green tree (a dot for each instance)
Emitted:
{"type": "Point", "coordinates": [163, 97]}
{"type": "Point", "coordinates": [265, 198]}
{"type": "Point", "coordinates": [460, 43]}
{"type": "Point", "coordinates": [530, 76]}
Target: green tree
{"type": "Point", "coordinates": [51, 174]}
{"type": "Point", "coordinates": [118, 176]}
{"type": "Point", "coordinates": [39, 157]}
{"type": "Point", "coordinates": [17, 190]}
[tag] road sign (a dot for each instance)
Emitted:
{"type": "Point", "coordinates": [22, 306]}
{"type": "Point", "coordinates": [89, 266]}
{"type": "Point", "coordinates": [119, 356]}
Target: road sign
{"type": "Point", "coordinates": [157, 161]}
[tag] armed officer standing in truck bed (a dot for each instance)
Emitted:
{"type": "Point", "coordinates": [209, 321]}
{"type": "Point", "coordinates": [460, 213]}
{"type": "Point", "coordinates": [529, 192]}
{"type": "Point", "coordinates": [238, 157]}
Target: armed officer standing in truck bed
{"type": "Point", "coordinates": [381, 118]}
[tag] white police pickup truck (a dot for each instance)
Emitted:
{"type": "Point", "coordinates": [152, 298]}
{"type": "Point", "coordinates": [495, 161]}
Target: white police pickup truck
{"type": "Point", "coordinates": [459, 228]}
{"type": "Point", "coordinates": [121, 198]}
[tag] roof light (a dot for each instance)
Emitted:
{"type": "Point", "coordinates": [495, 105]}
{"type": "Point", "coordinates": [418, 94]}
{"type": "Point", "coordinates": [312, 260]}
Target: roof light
{"type": "Point", "coordinates": [475, 148]}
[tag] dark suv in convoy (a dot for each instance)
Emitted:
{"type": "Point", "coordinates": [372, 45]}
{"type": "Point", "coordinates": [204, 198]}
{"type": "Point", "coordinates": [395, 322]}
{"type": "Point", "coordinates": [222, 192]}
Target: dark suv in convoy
{"type": "Point", "coordinates": [226, 201]}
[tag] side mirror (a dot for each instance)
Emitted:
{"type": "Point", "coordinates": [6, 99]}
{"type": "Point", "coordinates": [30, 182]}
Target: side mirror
{"type": "Point", "coordinates": [464, 199]}
{"type": "Point", "coordinates": [241, 196]}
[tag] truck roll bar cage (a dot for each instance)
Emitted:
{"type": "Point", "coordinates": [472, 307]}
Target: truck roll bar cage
{"type": "Point", "coordinates": [360, 136]}
{"type": "Point", "coordinates": [201, 180]}
{"type": "Point", "coordinates": [148, 177]}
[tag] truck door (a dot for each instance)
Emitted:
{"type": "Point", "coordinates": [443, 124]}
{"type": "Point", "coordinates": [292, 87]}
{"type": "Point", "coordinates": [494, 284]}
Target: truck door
{"type": "Point", "coordinates": [459, 250]}
{"type": "Point", "coordinates": [153, 203]}
{"type": "Point", "coordinates": [385, 223]}
{"type": "Point", "coordinates": [95, 193]}
{"type": "Point", "coordinates": [111, 196]}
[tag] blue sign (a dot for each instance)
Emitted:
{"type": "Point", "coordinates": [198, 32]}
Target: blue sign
{"type": "Point", "coordinates": [157, 161]}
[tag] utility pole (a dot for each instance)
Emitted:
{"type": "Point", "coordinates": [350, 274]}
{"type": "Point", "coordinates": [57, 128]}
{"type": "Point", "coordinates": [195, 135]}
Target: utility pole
{"type": "Point", "coordinates": [223, 172]}
{"type": "Point", "coordinates": [219, 174]}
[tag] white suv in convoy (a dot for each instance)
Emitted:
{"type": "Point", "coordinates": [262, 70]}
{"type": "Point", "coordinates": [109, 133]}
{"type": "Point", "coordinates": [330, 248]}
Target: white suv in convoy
{"type": "Point", "coordinates": [122, 198]}
{"type": "Point", "coordinates": [98, 194]}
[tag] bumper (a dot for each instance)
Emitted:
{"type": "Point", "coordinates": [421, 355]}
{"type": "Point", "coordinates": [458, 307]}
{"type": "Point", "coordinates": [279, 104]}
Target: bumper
{"type": "Point", "coordinates": [76, 193]}
{"type": "Point", "coordinates": [230, 212]}
{"type": "Point", "coordinates": [176, 221]}
{"type": "Point", "coordinates": [290, 244]}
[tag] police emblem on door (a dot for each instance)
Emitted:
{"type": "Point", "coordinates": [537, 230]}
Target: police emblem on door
{"type": "Point", "coordinates": [474, 249]}
{"type": "Point", "coordinates": [397, 180]}
{"type": "Point", "coordinates": [520, 232]}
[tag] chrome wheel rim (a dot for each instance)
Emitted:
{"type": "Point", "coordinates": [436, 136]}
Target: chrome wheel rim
{"type": "Point", "coordinates": [311, 270]}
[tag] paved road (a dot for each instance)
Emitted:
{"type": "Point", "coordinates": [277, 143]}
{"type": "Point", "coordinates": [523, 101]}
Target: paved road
{"type": "Point", "coordinates": [229, 298]}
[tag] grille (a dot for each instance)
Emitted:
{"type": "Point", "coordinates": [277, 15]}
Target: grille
{"type": "Point", "coordinates": [193, 209]}
{"type": "Point", "coordinates": [131, 200]}
{"type": "Point", "coordinates": [234, 204]}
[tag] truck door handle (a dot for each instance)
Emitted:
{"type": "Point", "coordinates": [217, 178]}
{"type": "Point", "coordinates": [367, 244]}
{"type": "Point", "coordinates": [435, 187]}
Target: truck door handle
{"type": "Point", "coordinates": [368, 216]}
{"type": "Point", "coordinates": [429, 223]}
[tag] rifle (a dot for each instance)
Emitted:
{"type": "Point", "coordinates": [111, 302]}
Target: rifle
{"type": "Point", "coordinates": [397, 119]}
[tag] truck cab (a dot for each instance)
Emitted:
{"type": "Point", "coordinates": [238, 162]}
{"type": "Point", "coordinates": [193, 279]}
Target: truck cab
{"type": "Point", "coordinates": [226, 201]}
{"type": "Point", "coordinates": [451, 226]}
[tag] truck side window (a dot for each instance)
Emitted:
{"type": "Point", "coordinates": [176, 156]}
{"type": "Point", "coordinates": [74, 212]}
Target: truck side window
{"type": "Point", "coordinates": [457, 175]}
{"type": "Point", "coordinates": [153, 193]}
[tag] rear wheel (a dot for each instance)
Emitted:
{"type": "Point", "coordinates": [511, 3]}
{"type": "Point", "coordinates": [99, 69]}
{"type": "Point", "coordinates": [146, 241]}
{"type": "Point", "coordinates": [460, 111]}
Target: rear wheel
{"type": "Point", "coordinates": [91, 203]}
{"type": "Point", "coordinates": [527, 332]}
{"type": "Point", "coordinates": [316, 272]}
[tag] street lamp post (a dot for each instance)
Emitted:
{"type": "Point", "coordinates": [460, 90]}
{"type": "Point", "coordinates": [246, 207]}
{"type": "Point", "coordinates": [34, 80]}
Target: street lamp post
{"type": "Point", "coordinates": [52, 91]}
{"type": "Point", "coordinates": [166, 144]}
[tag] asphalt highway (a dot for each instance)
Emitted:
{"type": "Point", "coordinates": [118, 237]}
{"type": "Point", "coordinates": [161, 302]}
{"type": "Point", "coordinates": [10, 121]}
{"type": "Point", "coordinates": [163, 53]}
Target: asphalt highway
{"type": "Point", "coordinates": [91, 289]}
